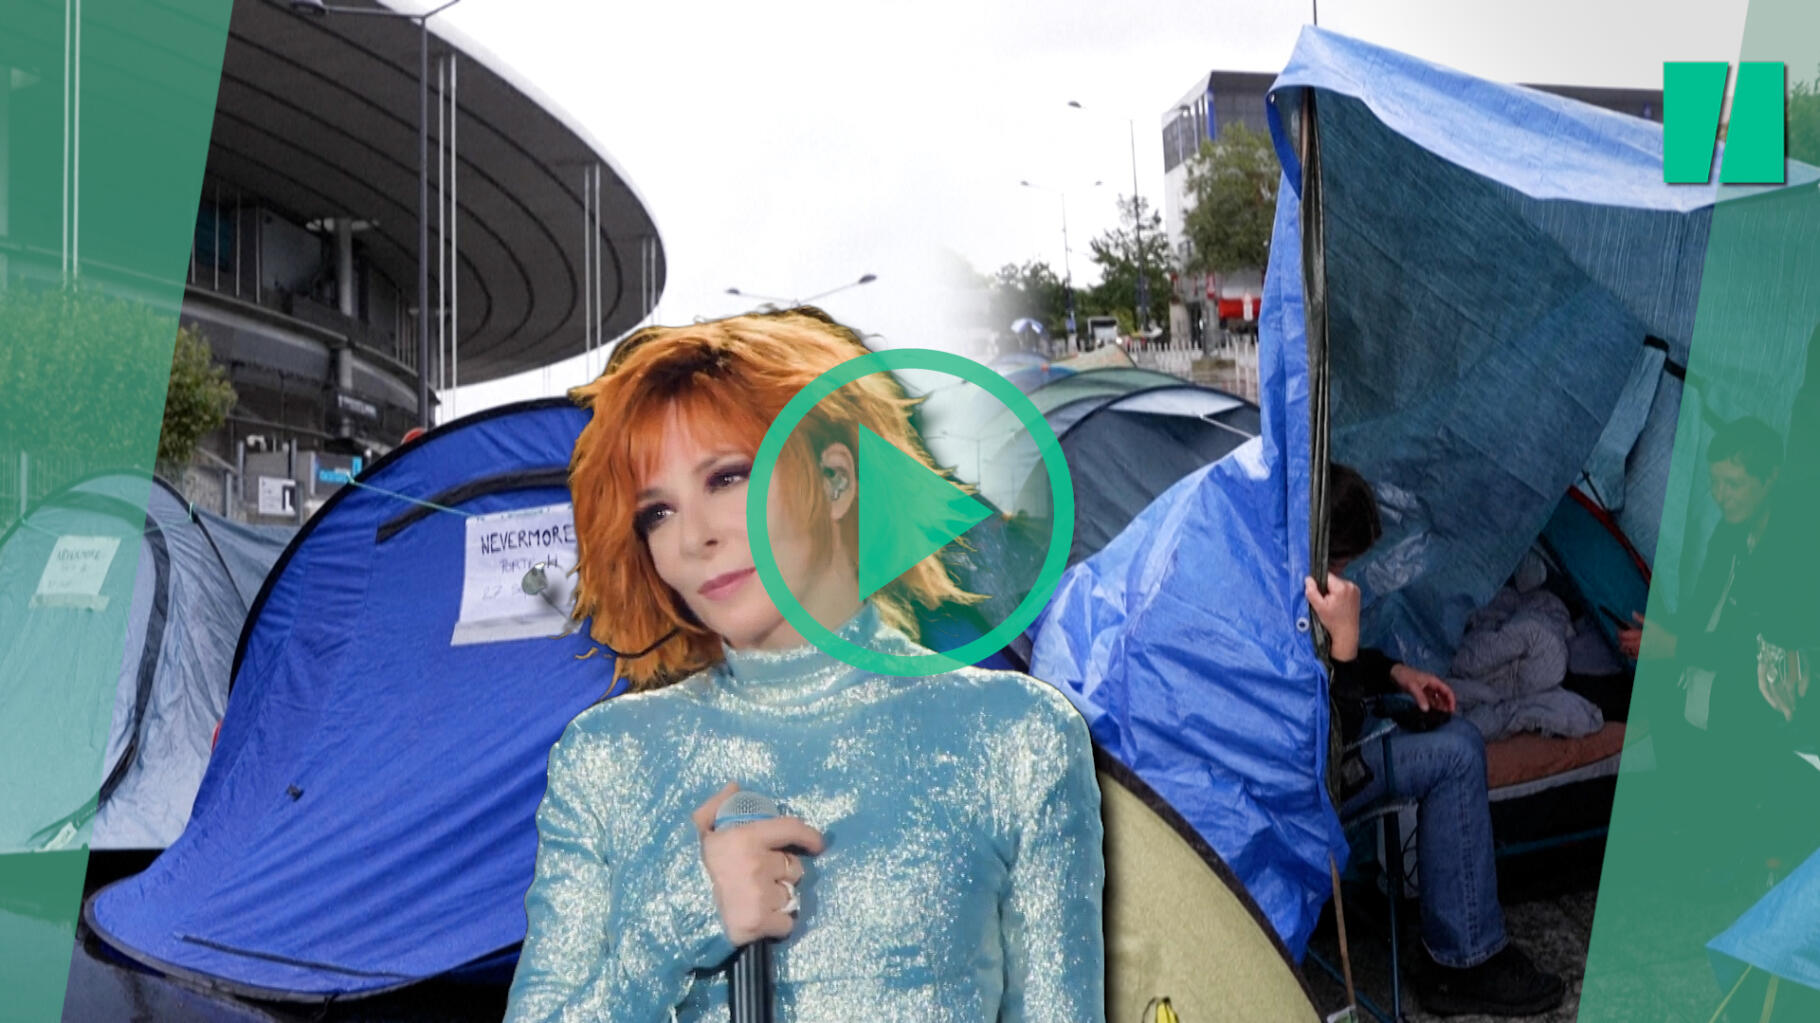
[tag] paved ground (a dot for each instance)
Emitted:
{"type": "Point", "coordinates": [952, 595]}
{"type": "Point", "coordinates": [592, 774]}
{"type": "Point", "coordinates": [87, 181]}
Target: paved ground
{"type": "Point", "coordinates": [1550, 900]}
{"type": "Point", "coordinates": [1550, 907]}
{"type": "Point", "coordinates": [103, 990]}
{"type": "Point", "coordinates": [1555, 930]}
{"type": "Point", "coordinates": [1660, 973]}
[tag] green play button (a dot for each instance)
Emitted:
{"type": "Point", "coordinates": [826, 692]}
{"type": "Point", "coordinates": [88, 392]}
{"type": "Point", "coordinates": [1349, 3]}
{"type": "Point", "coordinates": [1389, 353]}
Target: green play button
{"type": "Point", "coordinates": [907, 513]}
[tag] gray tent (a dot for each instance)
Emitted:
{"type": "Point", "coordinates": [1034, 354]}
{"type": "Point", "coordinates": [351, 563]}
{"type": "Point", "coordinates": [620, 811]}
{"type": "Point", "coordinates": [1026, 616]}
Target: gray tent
{"type": "Point", "coordinates": [1127, 435]}
{"type": "Point", "coordinates": [180, 598]}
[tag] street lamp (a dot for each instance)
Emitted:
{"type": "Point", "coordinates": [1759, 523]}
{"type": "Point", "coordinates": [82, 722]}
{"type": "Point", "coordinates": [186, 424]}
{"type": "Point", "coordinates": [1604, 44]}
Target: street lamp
{"type": "Point", "coordinates": [318, 9]}
{"type": "Point", "coordinates": [1067, 263]}
{"type": "Point", "coordinates": [1137, 227]}
{"type": "Point", "coordinates": [768, 299]}
{"type": "Point", "coordinates": [864, 279]}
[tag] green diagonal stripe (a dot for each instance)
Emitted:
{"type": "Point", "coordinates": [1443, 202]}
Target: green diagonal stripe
{"type": "Point", "coordinates": [1706, 822]}
{"type": "Point", "coordinates": [1693, 93]}
{"type": "Point", "coordinates": [105, 113]}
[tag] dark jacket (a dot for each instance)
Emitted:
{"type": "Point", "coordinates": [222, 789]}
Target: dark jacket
{"type": "Point", "coordinates": [1790, 548]}
{"type": "Point", "coordinates": [1730, 651]}
{"type": "Point", "coordinates": [1356, 681]}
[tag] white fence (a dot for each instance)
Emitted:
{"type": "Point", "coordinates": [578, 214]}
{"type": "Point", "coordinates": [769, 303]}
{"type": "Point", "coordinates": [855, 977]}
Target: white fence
{"type": "Point", "coordinates": [1234, 367]}
{"type": "Point", "coordinates": [1174, 361]}
{"type": "Point", "coordinates": [1230, 365]}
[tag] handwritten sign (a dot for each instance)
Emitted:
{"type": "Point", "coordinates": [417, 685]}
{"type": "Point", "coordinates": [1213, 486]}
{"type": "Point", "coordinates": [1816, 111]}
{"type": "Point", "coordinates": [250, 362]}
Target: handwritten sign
{"type": "Point", "coordinates": [500, 550]}
{"type": "Point", "coordinates": [75, 571]}
{"type": "Point", "coordinates": [277, 496]}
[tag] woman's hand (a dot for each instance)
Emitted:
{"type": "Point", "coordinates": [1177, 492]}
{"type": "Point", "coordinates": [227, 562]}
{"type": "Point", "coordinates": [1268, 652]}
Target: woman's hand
{"type": "Point", "coordinates": [1646, 642]}
{"type": "Point", "coordinates": [1429, 691]}
{"type": "Point", "coordinates": [1338, 611]}
{"type": "Point", "coordinates": [748, 865]}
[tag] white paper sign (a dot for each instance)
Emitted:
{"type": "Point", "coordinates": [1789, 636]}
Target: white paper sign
{"type": "Point", "coordinates": [277, 496]}
{"type": "Point", "coordinates": [75, 571]}
{"type": "Point", "coordinates": [500, 549]}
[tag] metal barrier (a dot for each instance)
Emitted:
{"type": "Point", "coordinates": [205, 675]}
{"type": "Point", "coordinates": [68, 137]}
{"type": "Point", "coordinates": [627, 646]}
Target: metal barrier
{"type": "Point", "coordinates": [27, 478]}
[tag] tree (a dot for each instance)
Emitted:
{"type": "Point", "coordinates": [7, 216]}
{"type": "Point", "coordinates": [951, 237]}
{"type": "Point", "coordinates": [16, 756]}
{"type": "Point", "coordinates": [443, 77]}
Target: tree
{"type": "Point", "coordinates": [1804, 122]}
{"type": "Point", "coordinates": [82, 372]}
{"type": "Point", "coordinates": [1116, 253]}
{"type": "Point", "coordinates": [1232, 197]}
{"type": "Point", "coordinates": [1030, 289]}
{"type": "Point", "coordinates": [196, 402]}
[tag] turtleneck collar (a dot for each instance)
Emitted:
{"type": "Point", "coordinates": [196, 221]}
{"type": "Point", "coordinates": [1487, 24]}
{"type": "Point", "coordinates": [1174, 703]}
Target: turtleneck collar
{"type": "Point", "coordinates": [799, 675]}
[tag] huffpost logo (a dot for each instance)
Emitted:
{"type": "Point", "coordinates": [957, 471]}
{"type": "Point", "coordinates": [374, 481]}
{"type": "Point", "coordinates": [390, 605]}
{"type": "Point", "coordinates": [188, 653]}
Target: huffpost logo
{"type": "Point", "coordinates": [1693, 92]}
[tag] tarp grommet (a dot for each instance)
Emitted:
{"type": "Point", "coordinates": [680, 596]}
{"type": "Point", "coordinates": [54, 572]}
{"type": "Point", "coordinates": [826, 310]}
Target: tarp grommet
{"type": "Point", "coordinates": [1301, 624]}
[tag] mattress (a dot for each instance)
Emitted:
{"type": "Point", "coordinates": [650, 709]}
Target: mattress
{"type": "Point", "coordinates": [1523, 765]}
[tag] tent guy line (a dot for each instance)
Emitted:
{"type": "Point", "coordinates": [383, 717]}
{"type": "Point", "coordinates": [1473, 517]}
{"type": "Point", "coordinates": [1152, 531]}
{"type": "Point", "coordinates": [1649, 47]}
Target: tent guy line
{"type": "Point", "coordinates": [432, 505]}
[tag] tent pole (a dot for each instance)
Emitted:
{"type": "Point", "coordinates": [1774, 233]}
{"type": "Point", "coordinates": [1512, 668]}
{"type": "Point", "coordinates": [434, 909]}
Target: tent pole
{"type": "Point", "coordinates": [1314, 306]}
{"type": "Point", "coordinates": [1314, 294]}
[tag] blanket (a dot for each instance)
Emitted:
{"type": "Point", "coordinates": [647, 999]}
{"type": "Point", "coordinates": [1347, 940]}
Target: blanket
{"type": "Point", "coordinates": [1508, 669]}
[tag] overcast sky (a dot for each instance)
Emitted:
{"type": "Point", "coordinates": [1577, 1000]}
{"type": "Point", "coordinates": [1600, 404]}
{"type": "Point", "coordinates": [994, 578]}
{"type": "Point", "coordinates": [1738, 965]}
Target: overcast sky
{"type": "Point", "coordinates": [786, 148]}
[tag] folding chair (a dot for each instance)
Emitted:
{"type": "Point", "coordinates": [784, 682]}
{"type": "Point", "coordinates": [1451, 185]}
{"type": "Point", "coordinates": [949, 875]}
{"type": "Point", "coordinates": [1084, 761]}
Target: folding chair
{"type": "Point", "coordinates": [1382, 815]}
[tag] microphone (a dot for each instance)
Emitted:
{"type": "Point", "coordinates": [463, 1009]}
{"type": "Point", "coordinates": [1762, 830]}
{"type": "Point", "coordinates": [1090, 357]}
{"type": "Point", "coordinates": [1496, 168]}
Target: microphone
{"type": "Point", "coordinates": [749, 986]}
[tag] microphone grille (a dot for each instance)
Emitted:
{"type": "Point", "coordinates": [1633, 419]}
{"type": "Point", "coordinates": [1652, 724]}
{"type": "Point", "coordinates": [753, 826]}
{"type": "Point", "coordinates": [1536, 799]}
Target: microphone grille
{"type": "Point", "coordinates": [743, 807]}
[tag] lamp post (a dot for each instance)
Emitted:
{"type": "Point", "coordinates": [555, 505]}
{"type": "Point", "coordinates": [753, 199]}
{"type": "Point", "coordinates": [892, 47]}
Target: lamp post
{"type": "Point", "coordinates": [864, 279]}
{"type": "Point", "coordinates": [318, 9]}
{"type": "Point", "coordinates": [1137, 227]}
{"type": "Point", "coordinates": [1067, 267]}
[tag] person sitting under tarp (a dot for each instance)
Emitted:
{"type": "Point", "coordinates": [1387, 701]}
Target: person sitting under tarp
{"type": "Point", "coordinates": [1473, 967]}
{"type": "Point", "coordinates": [1724, 742]}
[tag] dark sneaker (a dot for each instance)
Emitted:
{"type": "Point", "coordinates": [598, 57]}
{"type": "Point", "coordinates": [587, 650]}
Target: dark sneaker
{"type": "Point", "coordinates": [1507, 984]}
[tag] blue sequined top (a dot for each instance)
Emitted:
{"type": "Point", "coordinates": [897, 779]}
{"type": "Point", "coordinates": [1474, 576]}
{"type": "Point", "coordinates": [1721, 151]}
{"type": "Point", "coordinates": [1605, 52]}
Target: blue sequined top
{"type": "Point", "coordinates": [962, 874]}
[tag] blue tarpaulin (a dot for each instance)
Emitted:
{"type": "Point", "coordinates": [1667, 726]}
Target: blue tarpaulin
{"type": "Point", "coordinates": [1776, 935]}
{"type": "Point", "coordinates": [1508, 278]}
{"type": "Point", "coordinates": [1184, 642]}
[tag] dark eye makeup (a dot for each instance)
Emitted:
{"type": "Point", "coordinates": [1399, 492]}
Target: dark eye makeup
{"type": "Point", "coordinates": [649, 517]}
{"type": "Point", "coordinates": [655, 514]}
{"type": "Point", "coordinates": [729, 475]}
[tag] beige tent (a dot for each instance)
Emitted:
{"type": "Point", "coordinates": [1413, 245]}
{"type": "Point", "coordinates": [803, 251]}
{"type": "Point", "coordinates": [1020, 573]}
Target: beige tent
{"type": "Point", "coordinates": [1179, 924]}
{"type": "Point", "coordinates": [1103, 357]}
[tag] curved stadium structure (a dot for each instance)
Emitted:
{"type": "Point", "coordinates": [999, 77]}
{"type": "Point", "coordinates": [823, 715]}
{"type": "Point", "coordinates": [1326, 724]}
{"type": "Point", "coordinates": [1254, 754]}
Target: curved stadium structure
{"type": "Point", "coordinates": [303, 273]}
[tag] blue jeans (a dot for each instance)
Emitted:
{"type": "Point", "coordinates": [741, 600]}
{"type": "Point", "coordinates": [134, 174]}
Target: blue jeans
{"type": "Point", "coordinates": [1443, 771]}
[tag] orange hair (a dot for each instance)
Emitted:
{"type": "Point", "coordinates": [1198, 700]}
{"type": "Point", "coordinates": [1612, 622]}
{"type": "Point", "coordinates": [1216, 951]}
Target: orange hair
{"type": "Point", "coordinates": [728, 378]}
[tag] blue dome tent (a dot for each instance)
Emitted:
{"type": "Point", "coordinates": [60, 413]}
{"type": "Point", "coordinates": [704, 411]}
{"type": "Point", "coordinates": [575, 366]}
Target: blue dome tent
{"type": "Point", "coordinates": [1479, 295]}
{"type": "Point", "coordinates": [367, 818]}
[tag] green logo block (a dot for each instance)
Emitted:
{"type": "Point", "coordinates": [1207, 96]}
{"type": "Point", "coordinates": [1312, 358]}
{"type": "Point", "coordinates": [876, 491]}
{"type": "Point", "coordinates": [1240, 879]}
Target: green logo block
{"type": "Point", "coordinates": [923, 512]}
{"type": "Point", "coordinates": [1693, 93]}
{"type": "Point", "coordinates": [907, 513]}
